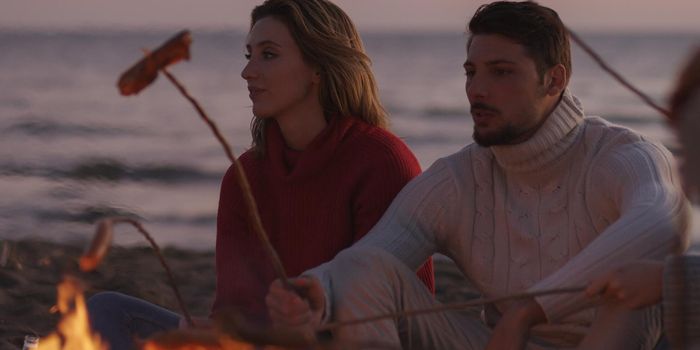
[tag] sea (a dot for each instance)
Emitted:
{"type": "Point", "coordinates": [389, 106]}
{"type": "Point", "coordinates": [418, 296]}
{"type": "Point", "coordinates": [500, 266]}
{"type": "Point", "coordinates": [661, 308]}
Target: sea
{"type": "Point", "coordinates": [73, 150]}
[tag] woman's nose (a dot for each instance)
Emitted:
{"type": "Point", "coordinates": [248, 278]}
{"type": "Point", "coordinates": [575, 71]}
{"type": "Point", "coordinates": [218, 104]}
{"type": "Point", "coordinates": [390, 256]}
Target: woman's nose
{"type": "Point", "coordinates": [248, 71]}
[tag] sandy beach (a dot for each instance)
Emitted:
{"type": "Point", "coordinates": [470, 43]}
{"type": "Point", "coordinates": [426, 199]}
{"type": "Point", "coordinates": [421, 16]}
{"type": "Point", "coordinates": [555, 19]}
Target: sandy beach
{"type": "Point", "coordinates": [34, 268]}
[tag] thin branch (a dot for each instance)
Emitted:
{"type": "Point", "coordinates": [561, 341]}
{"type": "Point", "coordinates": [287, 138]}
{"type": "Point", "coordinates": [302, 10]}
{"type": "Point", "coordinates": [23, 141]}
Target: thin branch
{"type": "Point", "coordinates": [243, 182]}
{"type": "Point", "coordinates": [155, 247]}
{"type": "Point", "coordinates": [616, 75]}
{"type": "Point", "coordinates": [450, 307]}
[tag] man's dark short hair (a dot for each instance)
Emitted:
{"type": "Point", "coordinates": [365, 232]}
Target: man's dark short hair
{"type": "Point", "coordinates": [539, 29]}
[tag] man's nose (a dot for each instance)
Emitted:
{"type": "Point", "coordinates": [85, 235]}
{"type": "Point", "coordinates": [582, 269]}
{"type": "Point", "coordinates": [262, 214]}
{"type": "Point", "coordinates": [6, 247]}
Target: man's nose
{"type": "Point", "coordinates": [477, 88]}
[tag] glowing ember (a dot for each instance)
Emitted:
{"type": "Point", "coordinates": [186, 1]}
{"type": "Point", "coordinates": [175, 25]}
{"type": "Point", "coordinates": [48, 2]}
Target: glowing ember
{"type": "Point", "coordinates": [73, 331]}
{"type": "Point", "coordinates": [197, 340]}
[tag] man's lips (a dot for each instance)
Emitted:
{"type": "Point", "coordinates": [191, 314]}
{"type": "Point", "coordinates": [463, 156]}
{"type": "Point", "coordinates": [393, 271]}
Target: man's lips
{"type": "Point", "coordinates": [481, 116]}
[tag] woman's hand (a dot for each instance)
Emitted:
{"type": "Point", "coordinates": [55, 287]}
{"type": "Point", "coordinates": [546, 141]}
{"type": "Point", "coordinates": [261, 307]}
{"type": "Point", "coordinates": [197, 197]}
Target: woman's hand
{"type": "Point", "coordinates": [634, 285]}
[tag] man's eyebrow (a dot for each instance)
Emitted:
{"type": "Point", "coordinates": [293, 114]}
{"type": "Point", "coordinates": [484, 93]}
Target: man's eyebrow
{"type": "Point", "coordinates": [500, 61]}
{"type": "Point", "coordinates": [469, 63]}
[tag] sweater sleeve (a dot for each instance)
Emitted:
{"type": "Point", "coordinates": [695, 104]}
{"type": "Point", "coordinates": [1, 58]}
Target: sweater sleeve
{"type": "Point", "coordinates": [681, 301]}
{"type": "Point", "coordinates": [240, 275]}
{"type": "Point", "coordinates": [411, 227]}
{"type": "Point", "coordinates": [391, 169]}
{"type": "Point", "coordinates": [639, 179]}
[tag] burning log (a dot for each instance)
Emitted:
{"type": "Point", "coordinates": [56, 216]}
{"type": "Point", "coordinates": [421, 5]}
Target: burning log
{"type": "Point", "coordinates": [185, 340]}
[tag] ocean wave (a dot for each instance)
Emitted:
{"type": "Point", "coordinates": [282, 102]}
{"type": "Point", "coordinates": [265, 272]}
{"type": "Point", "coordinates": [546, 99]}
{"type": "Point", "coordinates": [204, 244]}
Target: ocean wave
{"type": "Point", "coordinates": [446, 112]}
{"type": "Point", "coordinates": [92, 214]}
{"type": "Point", "coordinates": [89, 214]}
{"type": "Point", "coordinates": [196, 220]}
{"type": "Point", "coordinates": [111, 170]}
{"type": "Point", "coordinates": [14, 102]}
{"type": "Point", "coordinates": [631, 121]}
{"type": "Point", "coordinates": [438, 138]}
{"type": "Point", "coordinates": [42, 127]}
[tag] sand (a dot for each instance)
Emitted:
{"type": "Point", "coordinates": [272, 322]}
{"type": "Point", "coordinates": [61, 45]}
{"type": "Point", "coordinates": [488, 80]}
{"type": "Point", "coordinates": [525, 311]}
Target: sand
{"type": "Point", "coordinates": [34, 268]}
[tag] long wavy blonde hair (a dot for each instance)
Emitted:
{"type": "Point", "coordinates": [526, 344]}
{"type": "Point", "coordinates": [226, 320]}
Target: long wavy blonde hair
{"type": "Point", "coordinates": [329, 42]}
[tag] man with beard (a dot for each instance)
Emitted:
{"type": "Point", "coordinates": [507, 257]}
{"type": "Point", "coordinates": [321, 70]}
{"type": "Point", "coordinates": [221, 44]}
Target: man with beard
{"type": "Point", "coordinates": [546, 198]}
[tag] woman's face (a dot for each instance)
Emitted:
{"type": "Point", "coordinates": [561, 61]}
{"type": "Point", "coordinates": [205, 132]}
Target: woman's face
{"type": "Point", "coordinates": [280, 82]}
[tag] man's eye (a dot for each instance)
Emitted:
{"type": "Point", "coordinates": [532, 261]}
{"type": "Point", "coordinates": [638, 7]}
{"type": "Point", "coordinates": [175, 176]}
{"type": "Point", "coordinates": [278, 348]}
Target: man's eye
{"type": "Point", "coordinates": [268, 55]}
{"type": "Point", "coordinates": [502, 72]}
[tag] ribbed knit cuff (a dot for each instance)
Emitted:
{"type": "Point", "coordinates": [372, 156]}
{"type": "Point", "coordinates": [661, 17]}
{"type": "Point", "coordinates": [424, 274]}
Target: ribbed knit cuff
{"type": "Point", "coordinates": [321, 273]}
{"type": "Point", "coordinates": [681, 301]}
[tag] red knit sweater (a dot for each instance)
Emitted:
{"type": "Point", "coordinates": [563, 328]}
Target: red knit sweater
{"type": "Point", "coordinates": [312, 204]}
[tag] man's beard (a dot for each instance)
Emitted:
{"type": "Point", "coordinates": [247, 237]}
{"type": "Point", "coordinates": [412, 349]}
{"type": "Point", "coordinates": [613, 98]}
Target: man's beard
{"type": "Point", "coordinates": [505, 136]}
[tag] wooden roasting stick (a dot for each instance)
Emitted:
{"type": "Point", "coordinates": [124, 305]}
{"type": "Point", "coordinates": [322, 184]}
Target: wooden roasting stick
{"type": "Point", "coordinates": [144, 72]}
{"type": "Point", "coordinates": [101, 242]}
{"type": "Point", "coordinates": [450, 307]}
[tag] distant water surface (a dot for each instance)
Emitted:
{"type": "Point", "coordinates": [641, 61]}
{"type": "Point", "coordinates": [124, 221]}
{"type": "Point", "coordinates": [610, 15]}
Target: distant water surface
{"type": "Point", "coordinates": [72, 150]}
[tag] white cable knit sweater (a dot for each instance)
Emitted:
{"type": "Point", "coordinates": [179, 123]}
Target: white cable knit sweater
{"type": "Point", "coordinates": [579, 197]}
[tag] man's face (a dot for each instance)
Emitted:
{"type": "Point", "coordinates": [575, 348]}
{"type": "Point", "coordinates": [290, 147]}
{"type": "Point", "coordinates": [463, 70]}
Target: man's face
{"type": "Point", "coordinates": [506, 93]}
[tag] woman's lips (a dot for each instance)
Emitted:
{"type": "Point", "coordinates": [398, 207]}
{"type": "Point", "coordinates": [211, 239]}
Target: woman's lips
{"type": "Point", "coordinates": [254, 92]}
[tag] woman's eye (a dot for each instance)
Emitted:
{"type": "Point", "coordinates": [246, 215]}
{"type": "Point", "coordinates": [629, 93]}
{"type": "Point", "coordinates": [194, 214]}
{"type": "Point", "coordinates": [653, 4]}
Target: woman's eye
{"type": "Point", "coordinates": [268, 55]}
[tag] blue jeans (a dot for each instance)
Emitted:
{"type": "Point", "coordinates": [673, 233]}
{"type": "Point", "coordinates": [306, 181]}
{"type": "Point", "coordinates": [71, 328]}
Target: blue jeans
{"type": "Point", "coordinates": [118, 318]}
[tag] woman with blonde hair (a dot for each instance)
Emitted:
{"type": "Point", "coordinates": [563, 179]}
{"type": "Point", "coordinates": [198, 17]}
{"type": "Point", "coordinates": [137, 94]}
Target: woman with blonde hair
{"type": "Point", "coordinates": [322, 166]}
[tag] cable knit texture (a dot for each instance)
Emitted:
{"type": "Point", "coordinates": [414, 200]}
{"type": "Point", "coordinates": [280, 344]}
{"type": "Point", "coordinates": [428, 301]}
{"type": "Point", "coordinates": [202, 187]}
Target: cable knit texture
{"type": "Point", "coordinates": [312, 204]}
{"type": "Point", "coordinates": [580, 196]}
{"type": "Point", "coordinates": [681, 301]}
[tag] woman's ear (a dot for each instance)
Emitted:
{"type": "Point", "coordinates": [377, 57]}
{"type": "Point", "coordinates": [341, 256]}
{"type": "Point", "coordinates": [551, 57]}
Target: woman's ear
{"type": "Point", "coordinates": [316, 78]}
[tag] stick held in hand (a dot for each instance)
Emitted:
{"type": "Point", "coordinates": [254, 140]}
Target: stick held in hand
{"type": "Point", "coordinates": [144, 72]}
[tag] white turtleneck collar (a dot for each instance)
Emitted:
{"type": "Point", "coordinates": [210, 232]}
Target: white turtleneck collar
{"type": "Point", "coordinates": [551, 140]}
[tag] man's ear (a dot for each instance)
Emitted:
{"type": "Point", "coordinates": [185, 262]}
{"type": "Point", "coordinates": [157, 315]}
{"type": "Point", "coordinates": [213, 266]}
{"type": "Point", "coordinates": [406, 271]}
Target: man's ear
{"type": "Point", "coordinates": [555, 80]}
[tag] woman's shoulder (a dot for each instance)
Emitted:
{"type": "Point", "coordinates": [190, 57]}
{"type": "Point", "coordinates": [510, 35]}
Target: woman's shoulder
{"type": "Point", "coordinates": [370, 137]}
{"type": "Point", "coordinates": [378, 149]}
{"type": "Point", "coordinates": [250, 160]}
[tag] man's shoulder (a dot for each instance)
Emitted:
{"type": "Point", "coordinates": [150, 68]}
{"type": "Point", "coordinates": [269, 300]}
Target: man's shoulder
{"type": "Point", "coordinates": [608, 134]}
{"type": "Point", "coordinates": [608, 140]}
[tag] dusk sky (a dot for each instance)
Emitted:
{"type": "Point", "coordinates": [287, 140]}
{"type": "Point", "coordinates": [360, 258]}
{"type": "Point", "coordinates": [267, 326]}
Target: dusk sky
{"type": "Point", "coordinates": [369, 15]}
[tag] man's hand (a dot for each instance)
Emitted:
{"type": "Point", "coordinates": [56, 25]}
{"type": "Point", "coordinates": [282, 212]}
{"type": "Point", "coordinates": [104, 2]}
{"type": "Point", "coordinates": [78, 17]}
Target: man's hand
{"type": "Point", "coordinates": [634, 285]}
{"type": "Point", "coordinates": [512, 329]}
{"type": "Point", "coordinates": [301, 308]}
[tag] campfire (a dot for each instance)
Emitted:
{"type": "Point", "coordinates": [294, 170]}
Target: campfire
{"type": "Point", "coordinates": [73, 331]}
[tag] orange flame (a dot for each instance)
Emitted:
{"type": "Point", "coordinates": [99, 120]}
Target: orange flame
{"type": "Point", "coordinates": [196, 339]}
{"type": "Point", "coordinates": [73, 331]}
